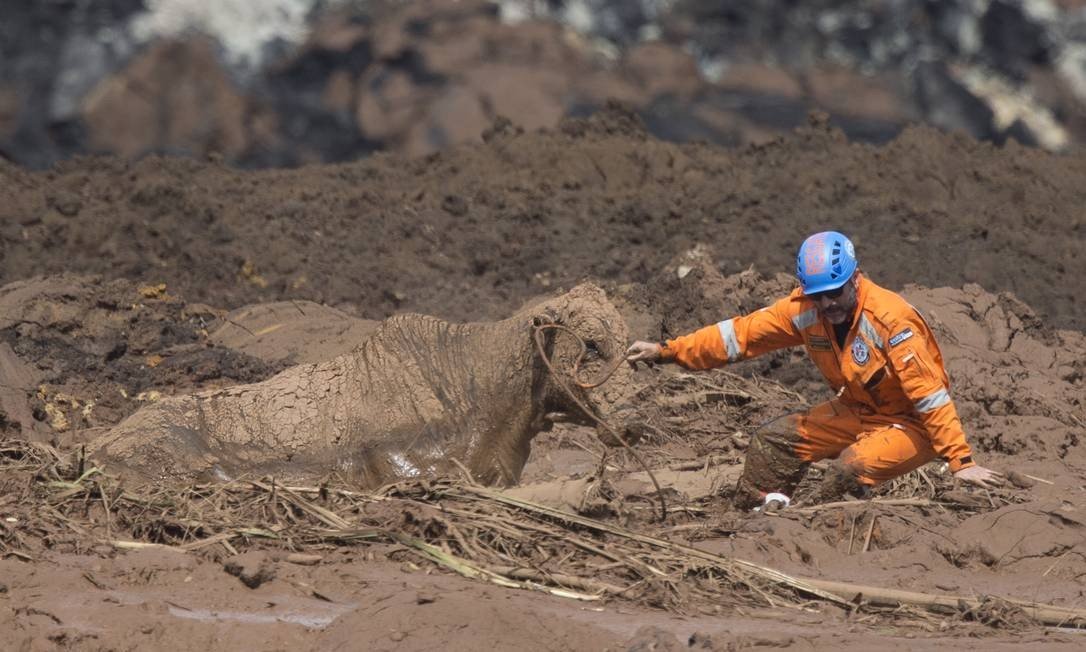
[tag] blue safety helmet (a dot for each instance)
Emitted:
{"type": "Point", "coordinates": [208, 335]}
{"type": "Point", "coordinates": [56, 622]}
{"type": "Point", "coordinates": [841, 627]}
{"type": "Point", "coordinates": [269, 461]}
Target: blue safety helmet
{"type": "Point", "coordinates": [825, 261]}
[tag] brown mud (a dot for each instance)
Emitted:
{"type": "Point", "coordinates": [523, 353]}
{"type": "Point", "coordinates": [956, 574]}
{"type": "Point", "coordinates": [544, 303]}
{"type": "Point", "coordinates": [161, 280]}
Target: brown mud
{"type": "Point", "coordinates": [473, 234]}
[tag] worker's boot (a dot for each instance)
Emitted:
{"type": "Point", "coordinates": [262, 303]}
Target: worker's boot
{"type": "Point", "coordinates": [771, 465]}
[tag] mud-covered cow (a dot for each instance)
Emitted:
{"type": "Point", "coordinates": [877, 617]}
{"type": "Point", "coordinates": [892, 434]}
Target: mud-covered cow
{"type": "Point", "coordinates": [421, 396]}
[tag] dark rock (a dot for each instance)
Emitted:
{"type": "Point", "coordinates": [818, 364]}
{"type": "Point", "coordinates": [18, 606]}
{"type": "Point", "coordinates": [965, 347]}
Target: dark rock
{"type": "Point", "coordinates": [252, 568]}
{"type": "Point", "coordinates": [66, 203]}
{"type": "Point", "coordinates": [175, 97]}
{"type": "Point", "coordinates": [947, 103]}
{"type": "Point", "coordinates": [650, 638]}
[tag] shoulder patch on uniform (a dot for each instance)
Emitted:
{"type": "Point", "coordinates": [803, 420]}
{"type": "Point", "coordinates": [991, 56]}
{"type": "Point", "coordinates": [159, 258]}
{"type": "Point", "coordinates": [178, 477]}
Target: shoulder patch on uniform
{"type": "Point", "coordinates": [818, 343]}
{"type": "Point", "coordinates": [901, 337]}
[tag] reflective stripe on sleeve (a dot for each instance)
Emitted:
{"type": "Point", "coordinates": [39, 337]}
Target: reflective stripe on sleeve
{"type": "Point", "coordinates": [932, 401]}
{"type": "Point", "coordinates": [731, 343]}
{"type": "Point", "coordinates": [869, 331]}
{"type": "Point", "coordinates": [805, 319]}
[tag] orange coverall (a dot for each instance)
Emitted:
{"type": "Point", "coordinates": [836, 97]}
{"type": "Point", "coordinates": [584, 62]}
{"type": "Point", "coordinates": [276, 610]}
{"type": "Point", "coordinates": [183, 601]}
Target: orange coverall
{"type": "Point", "coordinates": [893, 411]}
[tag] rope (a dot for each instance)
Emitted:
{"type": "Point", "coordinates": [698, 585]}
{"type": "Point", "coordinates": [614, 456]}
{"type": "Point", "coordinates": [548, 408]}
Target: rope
{"type": "Point", "coordinates": [539, 343]}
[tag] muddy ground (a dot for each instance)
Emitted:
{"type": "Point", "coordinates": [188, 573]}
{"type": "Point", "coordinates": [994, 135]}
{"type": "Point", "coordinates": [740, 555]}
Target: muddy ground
{"type": "Point", "coordinates": [128, 281]}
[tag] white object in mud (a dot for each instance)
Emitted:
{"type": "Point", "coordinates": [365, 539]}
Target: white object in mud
{"type": "Point", "coordinates": [780, 499]}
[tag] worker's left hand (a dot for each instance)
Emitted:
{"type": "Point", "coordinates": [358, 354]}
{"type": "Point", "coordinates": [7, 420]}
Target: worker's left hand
{"type": "Point", "coordinates": [980, 476]}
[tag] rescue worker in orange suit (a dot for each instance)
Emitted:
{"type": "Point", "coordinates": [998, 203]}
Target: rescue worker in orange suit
{"type": "Point", "coordinates": [893, 411]}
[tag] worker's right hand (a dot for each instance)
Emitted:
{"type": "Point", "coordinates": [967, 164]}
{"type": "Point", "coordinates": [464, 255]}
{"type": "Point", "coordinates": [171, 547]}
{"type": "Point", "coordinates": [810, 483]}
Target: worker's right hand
{"type": "Point", "coordinates": [980, 476]}
{"type": "Point", "coordinates": [643, 352]}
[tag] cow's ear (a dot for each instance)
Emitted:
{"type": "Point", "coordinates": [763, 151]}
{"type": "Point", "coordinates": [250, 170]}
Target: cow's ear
{"type": "Point", "coordinates": [544, 319]}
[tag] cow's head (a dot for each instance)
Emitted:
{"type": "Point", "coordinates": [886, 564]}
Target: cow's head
{"type": "Point", "coordinates": [582, 325]}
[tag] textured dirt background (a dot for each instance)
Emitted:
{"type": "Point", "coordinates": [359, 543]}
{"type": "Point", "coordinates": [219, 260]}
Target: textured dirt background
{"type": "Point", "coordinates": [148, 269]}
{"type": "Point", "coordinates": [475, 230]}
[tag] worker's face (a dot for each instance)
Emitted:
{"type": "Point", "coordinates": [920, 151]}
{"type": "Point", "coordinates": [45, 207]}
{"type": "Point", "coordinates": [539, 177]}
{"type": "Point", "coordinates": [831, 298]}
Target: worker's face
{"type": "Point", "coordinates": [837, 305]}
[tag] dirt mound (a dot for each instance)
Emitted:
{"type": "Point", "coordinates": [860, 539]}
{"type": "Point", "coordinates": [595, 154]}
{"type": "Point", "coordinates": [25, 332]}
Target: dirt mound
{"type": "Point", "coordinates": [474, 231]}
{"type": "Point", "coordinates": [295, 332]}
{"type": "Point", "coordinates": [1038, 539]}
{"type": "Point", "coordinates": [80, 352]}
{"type": "Point", "coordinates": [1018, 383]}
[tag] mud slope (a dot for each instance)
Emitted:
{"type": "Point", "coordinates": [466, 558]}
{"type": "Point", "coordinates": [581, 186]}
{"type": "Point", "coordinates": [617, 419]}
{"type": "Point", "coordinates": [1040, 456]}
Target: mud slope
{"type": "Point", "coordinates": [1018, 383]}
{"type": "Point", "coordinates": [474, 231]}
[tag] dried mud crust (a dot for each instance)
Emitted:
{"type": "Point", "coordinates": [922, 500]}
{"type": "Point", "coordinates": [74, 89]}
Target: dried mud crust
{"type": "Point", "coordinates": [474, 231]}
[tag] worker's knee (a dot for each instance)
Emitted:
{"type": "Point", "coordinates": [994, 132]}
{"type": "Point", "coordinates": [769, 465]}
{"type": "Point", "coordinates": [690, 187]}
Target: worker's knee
{"type": "Point", "coordinates": [843, 477]}
{"type": "Point", "coordinates": [843, 470]}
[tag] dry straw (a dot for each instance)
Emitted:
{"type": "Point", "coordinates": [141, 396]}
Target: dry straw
{"type": "Point", "coordinates": [47, 497]}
